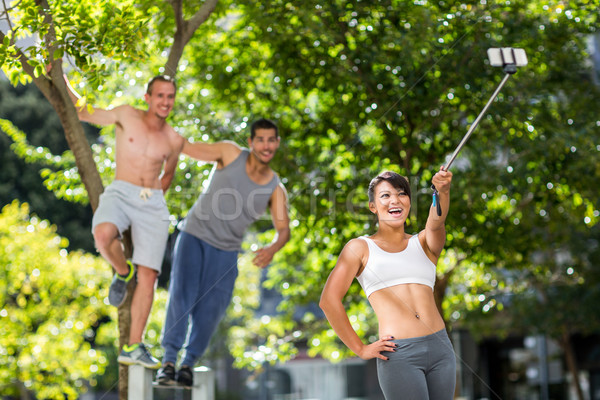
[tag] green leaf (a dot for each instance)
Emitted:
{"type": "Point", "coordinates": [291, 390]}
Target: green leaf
{"type": "Point", "coordinates": [58, 53]}
{"type": "Point", "coordinates": [38, 70]}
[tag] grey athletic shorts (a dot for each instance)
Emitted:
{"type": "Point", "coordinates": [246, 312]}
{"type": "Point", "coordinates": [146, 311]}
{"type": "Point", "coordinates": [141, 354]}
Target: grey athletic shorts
{"type": "Point", "coordinates": [125, 205]}
{"type": "Point", "coordinates": [421, 368]}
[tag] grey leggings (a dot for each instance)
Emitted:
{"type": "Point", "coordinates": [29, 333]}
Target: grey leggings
{"type": "Point", "coordinates": [421, 368]}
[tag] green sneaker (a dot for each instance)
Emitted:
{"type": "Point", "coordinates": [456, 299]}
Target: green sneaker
{"type": "Point", "coordinates": [138, 354]}
{"type": "Point", "coordinates": [118, 287]}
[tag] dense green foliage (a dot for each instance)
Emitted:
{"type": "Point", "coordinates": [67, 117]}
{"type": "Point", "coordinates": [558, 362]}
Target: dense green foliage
{"type": "Point", "coordinates": [57, 332]}
{"type": "Point", "coordinates": [51, 302]}
{"type": "Point", "coordinates": [31, 113]}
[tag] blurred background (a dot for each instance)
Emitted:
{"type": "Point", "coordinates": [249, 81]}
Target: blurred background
{"type": "Point", "coordinates": [356, 87]}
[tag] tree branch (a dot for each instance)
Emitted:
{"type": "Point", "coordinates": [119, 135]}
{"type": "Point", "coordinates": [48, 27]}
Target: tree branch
{"type": "Point", "coordinates": [6, 9]}
{"type": "Point", "coordinates": [50, 37]}
{"type": "Point", "coordinates": [178, 12]}
{"type": "Point", "coordinates": [200, 17]}
{"type": "Point", "coordinates": [185, 30]}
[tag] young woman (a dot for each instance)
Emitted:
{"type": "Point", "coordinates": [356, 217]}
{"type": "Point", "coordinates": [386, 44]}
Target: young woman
{"type": "Point", "coordinates": [415, 359]}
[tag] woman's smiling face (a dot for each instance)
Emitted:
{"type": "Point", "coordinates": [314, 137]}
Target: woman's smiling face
{"type": "Point", "coordinates": [390, 204]}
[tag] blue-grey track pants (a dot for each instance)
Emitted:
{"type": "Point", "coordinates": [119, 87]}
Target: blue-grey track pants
{"type": "Point", "coordinates": [200, 290]}
{"type": "Point", "coordinates": [421, 368]}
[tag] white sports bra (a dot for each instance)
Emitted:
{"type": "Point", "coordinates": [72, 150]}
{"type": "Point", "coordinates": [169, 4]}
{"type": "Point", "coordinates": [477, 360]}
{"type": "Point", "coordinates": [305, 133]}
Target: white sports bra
{"type": "Point", "coordinates": [384, 269]}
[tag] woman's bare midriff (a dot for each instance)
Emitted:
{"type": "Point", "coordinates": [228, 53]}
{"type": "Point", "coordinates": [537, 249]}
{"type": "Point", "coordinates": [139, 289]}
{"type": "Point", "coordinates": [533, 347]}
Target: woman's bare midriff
{"type": "Point", "coordinates": [406, 310]}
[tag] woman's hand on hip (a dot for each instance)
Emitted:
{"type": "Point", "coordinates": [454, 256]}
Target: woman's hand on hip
{"type": "Point", "coordinates": [375, 349]}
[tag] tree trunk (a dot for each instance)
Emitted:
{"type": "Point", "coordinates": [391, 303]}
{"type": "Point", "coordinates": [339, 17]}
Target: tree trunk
{"type": "Point", "coordinates": [125, 321]}
{"type": "Point", "coordinates": [55, 90]}
{"type": "Point", "coordinates": [56, 93]}
{"type": "Point", "coordinates": [81, 149]}
{"type": "Point", "coordinates": [565, 342]}
{"type": "Point", "coordinates": [24, 393]}
{"type": "Point", "coordinates": [124, 328]}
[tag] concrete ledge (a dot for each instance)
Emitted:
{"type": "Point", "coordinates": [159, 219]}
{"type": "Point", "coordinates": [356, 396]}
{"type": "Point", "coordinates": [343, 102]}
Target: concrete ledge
{"type": "Point", "coordinates": [141, 385]}
{"type": "Point", "coordinates": [204, 384]}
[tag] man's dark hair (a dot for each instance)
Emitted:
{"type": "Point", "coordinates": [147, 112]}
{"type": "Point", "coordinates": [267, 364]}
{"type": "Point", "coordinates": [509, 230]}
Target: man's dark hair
{"type": "Point", "coordinates": [396, 180]}
{"type": "Point", "coordinates": [162, 78]}
{"type": "Point", "coordinates": [263, 123]}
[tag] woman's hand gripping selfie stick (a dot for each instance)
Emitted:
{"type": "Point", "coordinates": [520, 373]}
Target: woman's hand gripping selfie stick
{"type": "Point", "coordinates": [507, 58]}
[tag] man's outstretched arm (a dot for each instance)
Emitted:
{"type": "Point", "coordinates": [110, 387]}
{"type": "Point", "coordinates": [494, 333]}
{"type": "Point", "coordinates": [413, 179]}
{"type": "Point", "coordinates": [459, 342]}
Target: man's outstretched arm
{"type": "Point", "coordinates": [99, 116]}
{"type": "Point", "coordinates": [281, 223]}
{"type": "Point", "coordinates": [221, 152]}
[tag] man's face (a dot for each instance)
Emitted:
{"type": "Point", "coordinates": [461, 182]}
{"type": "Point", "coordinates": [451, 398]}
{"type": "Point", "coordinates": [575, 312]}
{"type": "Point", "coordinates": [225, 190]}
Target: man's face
{"type": "Point", "coordinates": [160, 101]}
{"type": "Point", "coordinates": [264, 144]}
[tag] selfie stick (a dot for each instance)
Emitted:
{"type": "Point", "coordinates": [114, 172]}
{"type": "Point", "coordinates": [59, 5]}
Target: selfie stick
{"type": "Point", "coordinates": [509, 59]}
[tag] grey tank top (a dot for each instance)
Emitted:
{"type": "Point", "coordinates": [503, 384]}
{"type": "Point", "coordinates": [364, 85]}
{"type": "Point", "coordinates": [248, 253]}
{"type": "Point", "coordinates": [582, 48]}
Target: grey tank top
{"type": "Point", "coordinates": [230, 203]}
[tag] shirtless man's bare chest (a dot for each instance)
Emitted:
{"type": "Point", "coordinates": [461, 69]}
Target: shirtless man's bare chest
{"type": "Point", "coordinates": [141, 150]}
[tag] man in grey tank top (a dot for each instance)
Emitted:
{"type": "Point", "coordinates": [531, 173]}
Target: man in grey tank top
{"type": "Point", "coordinates": [241, 187]}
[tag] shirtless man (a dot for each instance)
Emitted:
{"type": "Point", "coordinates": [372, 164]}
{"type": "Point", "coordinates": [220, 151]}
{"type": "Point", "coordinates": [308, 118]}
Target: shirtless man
{"type": "Point", "coordinates": [145, 146]}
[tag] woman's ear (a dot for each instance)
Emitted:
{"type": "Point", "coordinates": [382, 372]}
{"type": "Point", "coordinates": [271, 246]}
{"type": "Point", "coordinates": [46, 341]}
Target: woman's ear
{"type": "Point", "coordinates": [372, 207]}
